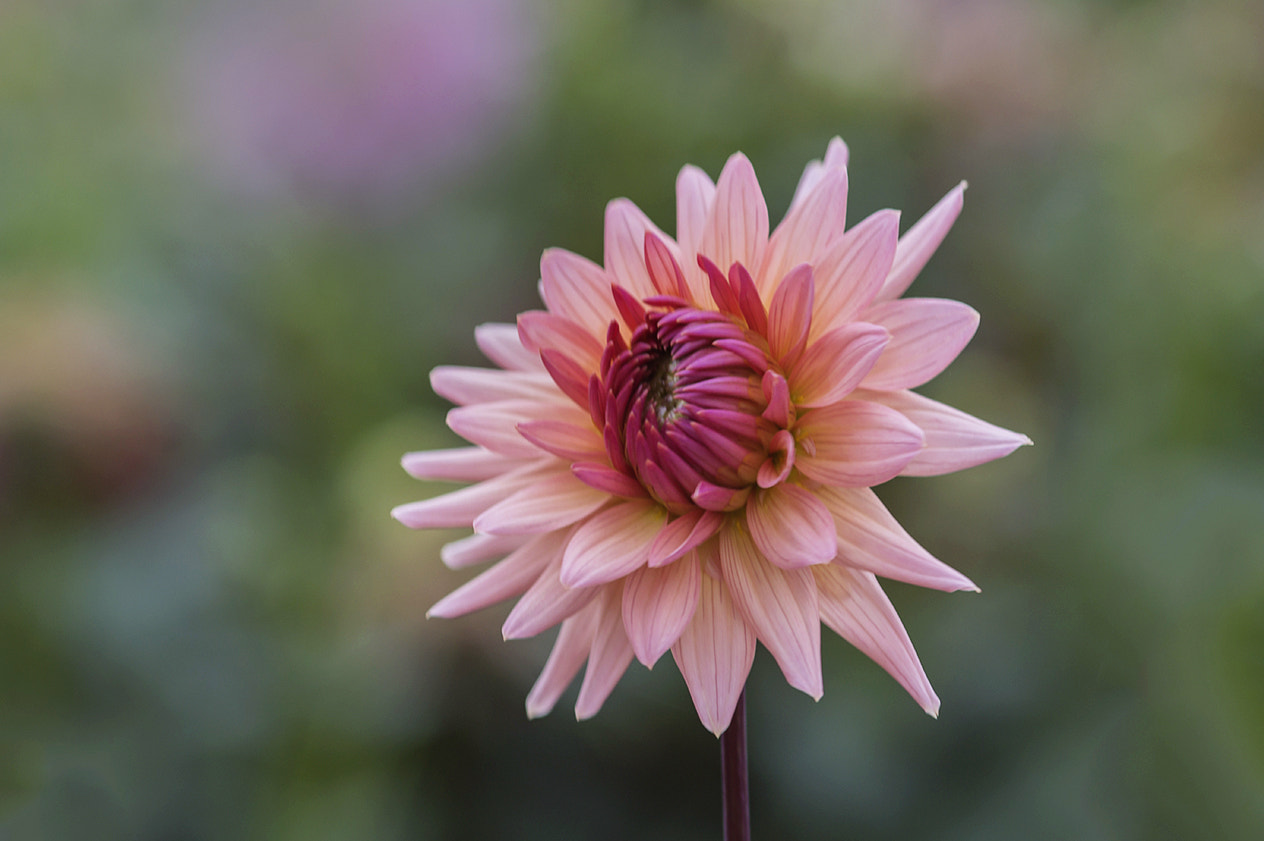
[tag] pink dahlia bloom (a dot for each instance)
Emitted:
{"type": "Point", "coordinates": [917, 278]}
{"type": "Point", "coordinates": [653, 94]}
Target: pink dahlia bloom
{"type": "Point", "coordinates": [677, 453]}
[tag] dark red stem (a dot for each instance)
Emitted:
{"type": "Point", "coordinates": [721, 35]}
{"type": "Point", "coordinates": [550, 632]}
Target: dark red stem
{"type": "Point", "coordinates": [734, 776]}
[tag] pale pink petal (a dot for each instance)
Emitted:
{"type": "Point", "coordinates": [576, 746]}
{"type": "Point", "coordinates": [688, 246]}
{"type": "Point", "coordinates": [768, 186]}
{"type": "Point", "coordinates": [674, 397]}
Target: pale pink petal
{"type": "Point", "coordinates": [833, 365]}
{"type": "Point", "coordinates": [682, 534]}
{"type": "Point", "coordinates": [855, 443]}
{"type": "Point", "coordinates": [460, 508]}
{"type": "Point", "coordinates": [626, 226]}
{"type": "Point", "coordinates": [572, 441]}
{"type": "Point", "coordinates": [779, 604]}
{"type": "Point", "coordinates": [569, 653]}
{"type": "Point", "coordinates": [541, 330]}
{"type": "Point", "coordinates": [551, 503]}
{"type": "Point", "coordinates": [852, 269]}
{"type": "Point", "coordinates": [576, 288]}
{"type": "Point", "coordinates": [836, 155]}
{"type": "Point", "coordinates": [464, 464]}
{"type": "Point", "coordinates": [954, 439]}
{"type": "Point", "coordinates": [608, 658]}
{"type": "Point", "coordinates": [791, 527]}
{"type": "Point", "coordinates": [919, 243]}
{"type": "Point", "coordinates": [495, 425]}
{"type": "Point", "coordinates": [737, 229]}
{"type": "Point", "coordinates": [571, 379]}
{"type": "Point", "coordinates": [807, 230]}
{"type": "Point", "coordinates": [870, 538]}
{"type": "Point", "coordinates": [464, 386]}
{"type": "Point", "coordinates": [478, 548]}
{"type": "Point", "coordinates": [545, 604]}
{"type": "Point", "coordinates": [854, 606]}
{"type": "Point", "coordinates": [605, 478]}
{"type": "Point", "coordinates": [790, 315]}
{"type": "Point", "coordinates": [926, 335]}
{"type": "Point", "coordinates": [510, 577]}
{"type": "Point", "coordinates": [613, 543]}
{"type": "Point", "coordinates": [500, 344]}
{"type": "Point", "coordinates": [695, 193]}
{"type": "Point", "coordinates": [714, 654]}
{"type": "Point", "coordinates": [658, 604]}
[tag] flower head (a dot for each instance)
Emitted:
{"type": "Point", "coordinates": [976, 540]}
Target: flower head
{"type": "Point", "coordinates": [677, 453]}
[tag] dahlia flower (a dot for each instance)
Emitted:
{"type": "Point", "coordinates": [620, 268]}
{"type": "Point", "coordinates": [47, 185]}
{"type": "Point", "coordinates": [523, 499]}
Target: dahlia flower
{"type": "Point", "coordinates": [677, 452]}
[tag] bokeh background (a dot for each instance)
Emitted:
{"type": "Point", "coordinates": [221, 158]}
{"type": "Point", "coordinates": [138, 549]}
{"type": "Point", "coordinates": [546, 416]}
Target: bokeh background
{"type": "Point", "coordinates": [235, 236]}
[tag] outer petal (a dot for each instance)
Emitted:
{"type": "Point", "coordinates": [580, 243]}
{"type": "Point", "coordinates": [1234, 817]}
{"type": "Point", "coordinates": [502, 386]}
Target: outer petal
{"type": "Point", "coordinates": [608, 658]}
{"type": "Point", "coordinates": [807, 230]}
{"type": "Point", "coordinates": [855, 607]}
{"type": "Point", "coordinates": [568, 440]}
{"type": "Point", "coordinates": [500, 344]}
{"type": "Point", "coordinates": [552, 503]}
{"type": "Point", "coordinates": [545, 604]}
{"type": "Point", "coordinates": [855, 443]}
{"type": "Point", "coordinates": [464, 386]}
{"type": "Point", "coordinates": [791, 527]}
{"type": "Point", "coordinates": [576, 288]}
{"type": "Point", "coordinates": [658, 604]}
{"type": "Point", "coordinates": [834, 364]}
{"type": "Point", "coordinates": [695, 194]}
{"type": "Point", "coordinates": [545, 331]}
{"type": "Point", "coordinates": [919, 243]}
{"type": "Point", "coordinates": [852, 269]}
{"type": "Point", "coordinates": [613, 543]}
{"type": "Point", "coordinates": [737, 229]}
{"type": "Point", "coordinates": [836, 157]}
{"type": "Point", "coordinates": [790, 315]}
{"type": "Point", "coordinates": [478, 548]}
{"type": "Point", "coordinates": [779, 604]}
{"type": "Point", "coordinates": [682, 534]}
{"type": "Point", "coordinates": [870, 538]}
{"type": "Point", "coordinates": [954, 439]}
{"type": "Point", "coordinates": [510, 577]}
{"type": "Point", "coordinates": [714, 655]}
{"type": "Point", "coordinates": [495, 425]}
{"type": "Point", "coordinates": [625, 246]}
{"type": "Point", "coordinates": [463, 464]}
{"type": "Point", "coordinates": [569, 653]}
{"type": "Point", "coordinates": [461, 507]}
{"type": "Point", "coordinates": [926, 335]}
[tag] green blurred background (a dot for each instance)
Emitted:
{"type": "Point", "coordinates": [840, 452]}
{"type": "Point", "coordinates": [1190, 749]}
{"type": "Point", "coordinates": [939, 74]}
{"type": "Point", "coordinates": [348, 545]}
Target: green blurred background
{"type": "Point", "coordinates": [235, 237]}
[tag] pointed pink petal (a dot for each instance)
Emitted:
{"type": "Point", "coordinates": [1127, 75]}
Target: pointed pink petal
{"type": "Point", "coordinates": [836, 155]}
{"type": "Point", "coordinates": [464, 386]}
{"type": "Point", "coordinates": [545, 604]}
{"type": "Point", "coordinates": [695, 193]}
{"type": "Point", "coordinates": [605, 478]}
{"type": "Point", "coordinates": [664, 271]}
{"type": "Point", "coordinates": [833, 365]}
{"type": "Point", "coordinates": [926, 335]}
{"type": "Point", "coordinates": [779, 604]}
{"type": "Point", "coordinates": [776, 468]}
{"type": "Point", "coordinates": [576, 289]}
{"type": "Point", "coordinates": [608, 658]}
{"type": "Point", "coordinates": [737, 229]}
{"type": "Point", "coordinates": [540, 330]}
{"type": "Point", "coordinates": [714, 655]}
{"type": "Point", "coordinates": [613, 543]}
{"type": "Point", "coordinates": [460, 508]}
{"type": "Point", "coordinates": [510, 577]}
{"type": "Point", "coordinates": [569, 653]}
{"type": "Point", "coordinates": [854, 606]}
{"type": "Point", "coordinates": [464, 464]}
{"type": "Point", "coordinates": [776, 398]}
{"type": "Point", "coordinates": [808, 229]}
{"type": "Point", "coordinates": [626, 226]}
{"type": "Point", "coordinates": [919, 243]}
{"type": "Point", "coordinates": [500, 344]}
{"type": "Point", "coordinates": [954, 439]}
{"type": "Point", "coordinates": [716, 498]}
{"type": "Point", "coordinates": [495, 425]}
{"type": "Point", "coordinates": [658, 604]}
{"type": "Point", "coordinates": [682, 534]}
{"type": "Point", "coordinates": [852, 269]}
{"type": "Point", "coordinates": [570, 378]}
{"type": "Point", "coordinates": [791, 527]}
{"type": "Point", "coordinates": [871, 539]}
{"type": "Point", "coordinates": [855, 443]}
{"type": "Point", "coordinates": [790, 315]}
{"type": "Point", "coordinates": [571, 441]}
{"type": "Point", "coordinates": [478, 548]}
{"type": "Point", "coordinates": [548, 504]}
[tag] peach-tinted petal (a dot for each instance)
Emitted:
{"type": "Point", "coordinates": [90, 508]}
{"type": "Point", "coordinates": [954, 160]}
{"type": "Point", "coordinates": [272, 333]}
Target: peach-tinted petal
{"type": "Point", "coordinates": [576, 288]}
{"type": "Point", "coordinates": [500, 344]}
{"type": "Point", "coordinates": [791, 527]}
{"type": "Point", "coordinates": [463, 464]}
{"type": "Point", "coordinates": [833, 365]}
{"type": "Point", "coordinates": [478, 548]}
{"type": "Point", "coordinates": [790, 315]}
{"type": "Point", "coordinates": [608, 658]}
{"type": "Point", "coordinates": [919, 243]}
{"type": "Point", "coordinates": [836, 155]}
{"type": "Point", "coordinates": [572, 441]}
{"type": "Point", "coordinates": [779, 604]}
{"type": "Point", "coordinates": [460, 508]}
{"type": "Point", "coordinates": [607, 479]}
{"type": "Point", "coordinates": [540, 330]}
{"type": "Point", "coordinates": [613, 543]}
{"type": "Point", "coordinates": [510, 577]}
{"type": "Point", "coordinates": [852, 269]}
{"type": "Point", "coordinates": [626, 226]}
{"type": "Point", "coordinates": [695, 193]}
{"type": "Point", "coordinates": [657, 605]}
{"type": "Point", "coordinates": [954, 439]}
{"type": "Point", "coordinates": [854, 606]}
{"type": "Point", "coordinates": [570, 378]}
{"type": "Point", "coordinates": [569, 652]}
{"type": "Point", "coordinates": [682, 534]}
{"type": "Point", "coordinates": [737, 229]}
{"type": "Point", "coordinates": [926, 335]}
{"type": "Point", "coordinates": [870, 538]}
{"type": "Point", "coordinates": [855, 443]}
{"type": "Point", "coordinates": [546, 603]}
{"type": "Point", "coordinates": [714, 654]}
{"type": "Point", "coordinates": [464, 386]}
{"type": "Point", "coordinates": [495, 426]}
{"type": "Point", "coordinates": [551, 503]}
{"type": "Point", "coordinates": [807, 230]}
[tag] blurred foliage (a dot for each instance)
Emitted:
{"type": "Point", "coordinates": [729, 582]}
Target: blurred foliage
{"type": "Point", "coordinates": [213, 352]}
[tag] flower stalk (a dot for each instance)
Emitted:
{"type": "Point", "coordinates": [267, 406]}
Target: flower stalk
{"type": "Point", "coordinates": [735, 779]}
